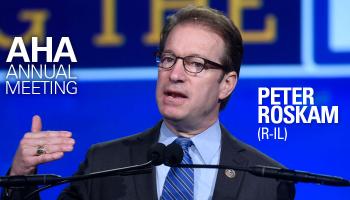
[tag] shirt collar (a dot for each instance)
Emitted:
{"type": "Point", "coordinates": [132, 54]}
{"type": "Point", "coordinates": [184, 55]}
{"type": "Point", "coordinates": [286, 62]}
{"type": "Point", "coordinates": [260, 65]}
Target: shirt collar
{"type": "Point", "coordinates": [207, 143]}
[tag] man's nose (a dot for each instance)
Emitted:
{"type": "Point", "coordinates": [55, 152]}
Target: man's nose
{"type": "Point", "coordinates": [177, 73]}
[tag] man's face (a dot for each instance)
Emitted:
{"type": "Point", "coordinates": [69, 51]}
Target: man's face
{"type": "Point", "coordinates": [191, 100]}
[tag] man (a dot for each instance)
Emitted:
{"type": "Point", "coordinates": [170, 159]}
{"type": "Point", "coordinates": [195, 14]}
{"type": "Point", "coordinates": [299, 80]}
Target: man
{"type": "Point", "coordinates": [199, 61]}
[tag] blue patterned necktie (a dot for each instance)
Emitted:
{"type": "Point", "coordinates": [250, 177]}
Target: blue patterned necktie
{"type": "Point", "coordinates": [179, 181]}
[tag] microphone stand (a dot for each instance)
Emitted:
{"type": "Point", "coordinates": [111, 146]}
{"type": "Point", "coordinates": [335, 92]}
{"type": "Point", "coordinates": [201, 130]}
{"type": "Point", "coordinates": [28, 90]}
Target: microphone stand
{"type": "Point", "coordinates": [173, 154]}
{"type": "Point", "coordinates": [123, 171]}
{"type": "Point", "coordinates": [155, 156]}
{"type": "Point", "coordinates": [278, 173]}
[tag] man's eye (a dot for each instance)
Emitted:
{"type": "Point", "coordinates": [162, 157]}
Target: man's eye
{"type": "Point", "coordinates": [167, 59]}
{"type": "Point", "coordinates": [196, 64]}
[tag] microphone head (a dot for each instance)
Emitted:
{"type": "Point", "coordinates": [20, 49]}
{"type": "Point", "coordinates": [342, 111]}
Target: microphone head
{"type": "Point", "coordinates": [173, 154]}
{"type": "Point", "coordinates": [156, 154]}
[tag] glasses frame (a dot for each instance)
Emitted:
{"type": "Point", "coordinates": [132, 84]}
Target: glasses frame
{"type": "Point", "coordinates": [208, 64]}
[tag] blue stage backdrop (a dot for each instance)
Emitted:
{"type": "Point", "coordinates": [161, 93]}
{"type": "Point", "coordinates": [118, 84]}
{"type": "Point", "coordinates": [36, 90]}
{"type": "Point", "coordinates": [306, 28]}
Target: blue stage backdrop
{"type": "Point", "coordinates": [301, 43]}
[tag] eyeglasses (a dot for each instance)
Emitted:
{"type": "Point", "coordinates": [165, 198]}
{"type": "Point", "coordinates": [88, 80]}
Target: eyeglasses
{"type": "Point", "coordinates": [192, 64]}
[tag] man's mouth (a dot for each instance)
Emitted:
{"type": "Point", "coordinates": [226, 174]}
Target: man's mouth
{"type": "Point", "coordinates": [175, 94]}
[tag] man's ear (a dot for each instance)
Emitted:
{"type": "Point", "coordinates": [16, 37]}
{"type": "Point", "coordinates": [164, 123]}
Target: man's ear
{"type": "Point", "coordinates": [227, 85]}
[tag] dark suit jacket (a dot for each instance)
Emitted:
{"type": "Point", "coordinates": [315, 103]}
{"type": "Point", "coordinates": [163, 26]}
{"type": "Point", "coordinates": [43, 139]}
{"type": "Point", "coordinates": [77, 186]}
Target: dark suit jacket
{"type": "Point", "coordinates": [132, 150]}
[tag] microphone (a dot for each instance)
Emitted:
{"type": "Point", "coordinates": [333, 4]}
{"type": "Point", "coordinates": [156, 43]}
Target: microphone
{"type": "Point", "coordinates": [155, 157]}
{"type": "Point", "coordinates": [156, 154]}
{"type": "Point", "coordinates": [173, 158]}
{"type": "Point", "coordinates": [297, 176]}
{"type": "Point", "coordinates": [173, 154]}
{"type": "Point", "coordinates": [26, 180]}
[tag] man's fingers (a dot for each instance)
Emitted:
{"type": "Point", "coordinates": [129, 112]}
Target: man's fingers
{"type": "Point", "coordinates": [49, 134]}
{"type": "Point", "coordinates": [47, 141]}
{"type": "Point", "coordinates": [59, 148]}
{"type": "Point", "coordinates": [49, 149]}
{"type": "Point", "coordinates": [36, 124]}
{"type": "Point", "coordinates": [47, 157]}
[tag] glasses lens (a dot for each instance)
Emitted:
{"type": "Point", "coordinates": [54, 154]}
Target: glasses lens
{"type": "Point", "coordinates": [166, 60]}
{"type": "Point", "coordinates": [194, 64]}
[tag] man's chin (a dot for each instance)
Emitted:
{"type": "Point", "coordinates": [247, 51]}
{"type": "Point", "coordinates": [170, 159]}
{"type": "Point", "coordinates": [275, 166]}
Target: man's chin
{"type": "Point", "coordinates": [173, 116]}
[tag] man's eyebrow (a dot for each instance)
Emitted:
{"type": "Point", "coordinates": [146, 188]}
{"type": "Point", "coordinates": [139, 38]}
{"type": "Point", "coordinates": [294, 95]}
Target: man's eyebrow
{"type": "Point", "coordinates": [197, 55]}
{"type": "Point", "coordinates": [193, 54]}
{"type": "Point", "coordinates": [168, 51]}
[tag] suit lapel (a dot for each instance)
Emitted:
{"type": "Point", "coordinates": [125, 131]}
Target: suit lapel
{"type": "Point", "coordinates": [228, 187]}
{"type": "Point", "coordinates": [145, 184]}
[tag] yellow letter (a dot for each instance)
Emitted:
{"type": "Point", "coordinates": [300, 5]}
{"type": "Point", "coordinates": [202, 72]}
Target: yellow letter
{"type": "Point", "coordinates": [37, 28]}
{"type": "Point", "coordinates": [157, 11]}
{"type": "Point", "coordinates": [268, 35]}
{"type": "Point", "coordinates": [109, 36]}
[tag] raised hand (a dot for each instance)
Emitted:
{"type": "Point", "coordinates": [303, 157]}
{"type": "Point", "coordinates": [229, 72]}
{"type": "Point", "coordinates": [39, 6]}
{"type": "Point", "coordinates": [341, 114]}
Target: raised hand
{"type": "Point", "coordinates": [37, 147]}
